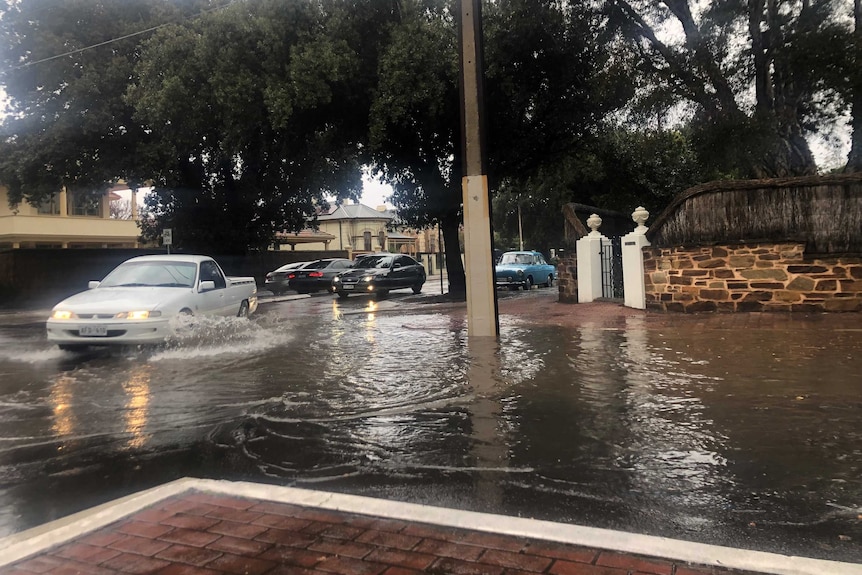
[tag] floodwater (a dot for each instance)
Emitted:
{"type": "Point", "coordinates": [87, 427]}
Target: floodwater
{"type": "Point", "coordinates": [696, 429]}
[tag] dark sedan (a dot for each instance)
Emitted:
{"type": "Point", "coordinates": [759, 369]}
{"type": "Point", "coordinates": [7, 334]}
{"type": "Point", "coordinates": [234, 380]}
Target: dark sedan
{"type": "Point", "coordinates": [379, 273]}
{"type": "Point", "coordinates": [276, 280]}
{"type": "Point", "coordinates": [316, 276]}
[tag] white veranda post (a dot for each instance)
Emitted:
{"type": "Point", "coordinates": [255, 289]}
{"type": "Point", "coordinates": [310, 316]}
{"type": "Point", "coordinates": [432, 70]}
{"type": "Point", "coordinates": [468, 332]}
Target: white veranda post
{"type": "Point", "coordinates": [634, 283]}
{"type": "Point", "coordinates": [589, 255]}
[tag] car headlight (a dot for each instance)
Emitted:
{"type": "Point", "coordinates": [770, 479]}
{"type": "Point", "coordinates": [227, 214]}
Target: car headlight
{"type": "Point", "coordinates": [62, 314]}
{"type": "Point", "coordinates": [138, 314]}
{"type": "Point", "coordinates": [520, 272]}
{"type": "Point", "coordinates": [336, 279]}
{"type": "Point", "coordinates": [367, 278]}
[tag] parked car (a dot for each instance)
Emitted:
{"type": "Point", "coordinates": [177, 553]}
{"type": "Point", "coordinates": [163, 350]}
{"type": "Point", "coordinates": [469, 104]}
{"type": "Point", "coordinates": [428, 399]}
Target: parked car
{"type": "Point", "coordinates": [524, 269]}
{"type": "Point", "coordinates": [379, 273]}
{"type": "Point", "coordinates": [136, 302]}
{"type": "Point", "coordinates": [317, 275]}
{"type": "Point", "coordinates": [277, 281]}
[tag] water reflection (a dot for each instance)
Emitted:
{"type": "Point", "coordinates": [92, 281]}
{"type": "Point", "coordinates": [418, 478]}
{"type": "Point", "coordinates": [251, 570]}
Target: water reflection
{"type": "Point", "coordinates": [675, 449]}
{"type": "Point", "coordinates": [61, 400]}
{"type": "Point", "coordinates": [137, 388]}
{"type": "Point", "coordinates": [489, 442]}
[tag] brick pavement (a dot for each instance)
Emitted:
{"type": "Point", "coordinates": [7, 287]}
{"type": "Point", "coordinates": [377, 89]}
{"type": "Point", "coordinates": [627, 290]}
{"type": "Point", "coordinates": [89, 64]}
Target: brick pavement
{"type": "Point", "coordinates": [198, 533]}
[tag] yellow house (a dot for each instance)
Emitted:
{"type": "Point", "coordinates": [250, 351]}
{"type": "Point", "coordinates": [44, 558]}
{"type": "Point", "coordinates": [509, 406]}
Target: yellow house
{"type": "Point", "coordinates": [67, 220]}
{"type": "Point", "coordinates": [355, 228]}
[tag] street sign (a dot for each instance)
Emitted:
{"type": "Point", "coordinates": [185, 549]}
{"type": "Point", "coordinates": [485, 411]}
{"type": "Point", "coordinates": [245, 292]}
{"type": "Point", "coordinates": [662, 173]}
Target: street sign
{"type": "Point", "coordinates": [167, 236]}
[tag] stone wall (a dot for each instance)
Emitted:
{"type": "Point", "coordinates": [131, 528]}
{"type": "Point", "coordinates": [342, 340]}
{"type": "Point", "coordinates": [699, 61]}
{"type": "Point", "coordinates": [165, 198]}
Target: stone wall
{"type": "Point", "coordinates": [750, 277]}
{"type": "Point", "coordinates": [567, 278]}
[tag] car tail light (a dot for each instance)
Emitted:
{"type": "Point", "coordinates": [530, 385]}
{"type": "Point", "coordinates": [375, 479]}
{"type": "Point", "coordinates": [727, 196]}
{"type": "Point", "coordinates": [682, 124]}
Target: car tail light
{"type": "Point", "coordinates": [315, 274]}
{"type": "Point", "coordinates": [291, 276]}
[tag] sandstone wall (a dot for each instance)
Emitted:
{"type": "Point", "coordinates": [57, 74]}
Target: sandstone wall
{"type": "Point", "coordinates": [750, 277]}
{"type": "Point", "coordinates": [567, 279]}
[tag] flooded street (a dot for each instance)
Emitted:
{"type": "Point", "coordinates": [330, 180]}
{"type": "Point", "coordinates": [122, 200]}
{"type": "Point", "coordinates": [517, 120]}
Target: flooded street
{"type": "Point", "coordinates": [687, 427]}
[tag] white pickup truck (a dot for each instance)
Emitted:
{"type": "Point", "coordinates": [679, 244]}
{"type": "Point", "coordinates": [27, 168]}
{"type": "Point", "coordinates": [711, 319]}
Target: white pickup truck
{"type": "Point", "coordinates": [138, 300]}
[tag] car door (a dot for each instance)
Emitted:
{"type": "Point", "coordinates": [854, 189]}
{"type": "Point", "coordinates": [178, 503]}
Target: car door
{"type": "Point", "coordinates": [403, 272]}
{"type": "Point", "coordinates": [214, 301]}
{"type": "Point", "coordinates": [337, 267]}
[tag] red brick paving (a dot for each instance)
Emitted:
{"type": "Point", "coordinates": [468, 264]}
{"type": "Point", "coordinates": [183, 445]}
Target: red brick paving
{"type": "Point", "coordinates": [204, 534]}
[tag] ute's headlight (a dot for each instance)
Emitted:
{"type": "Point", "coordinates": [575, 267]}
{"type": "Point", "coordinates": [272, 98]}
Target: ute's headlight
{"type": "Point", "coordinates": [138, 314]}
{"type": "Point", "coordinates": [62, 314]}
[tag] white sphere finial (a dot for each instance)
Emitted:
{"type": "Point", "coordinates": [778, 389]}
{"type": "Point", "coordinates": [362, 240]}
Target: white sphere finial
{"type": "Point", "coordinates": [640, 216]}
{"type": "Point", "coordinates": [594, 222]}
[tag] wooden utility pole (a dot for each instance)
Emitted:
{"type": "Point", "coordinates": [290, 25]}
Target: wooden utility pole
{"type": "Point", "coordinates": [479, 262]}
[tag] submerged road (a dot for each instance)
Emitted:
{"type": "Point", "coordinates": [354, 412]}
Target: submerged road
{"type": "Point", "coordinates": [692, 429]}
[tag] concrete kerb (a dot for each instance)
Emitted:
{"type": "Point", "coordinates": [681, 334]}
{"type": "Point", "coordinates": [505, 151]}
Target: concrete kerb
{"type": "Point", "coordinates": [41, 538]}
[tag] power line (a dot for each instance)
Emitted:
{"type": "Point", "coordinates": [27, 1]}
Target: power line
{"type": "Point", "coordinates": [111, 41]}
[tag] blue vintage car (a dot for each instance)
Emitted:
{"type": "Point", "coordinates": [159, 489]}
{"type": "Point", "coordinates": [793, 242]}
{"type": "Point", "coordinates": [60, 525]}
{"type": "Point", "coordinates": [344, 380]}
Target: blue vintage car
{"type": "Point", "coordinates": [524, 269]}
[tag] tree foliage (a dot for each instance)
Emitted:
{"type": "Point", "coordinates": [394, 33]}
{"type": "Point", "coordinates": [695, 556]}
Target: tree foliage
{"type": "Point", "coordinates": [724, 52]}
{"type": "Point", "coordinates": [414, 124]}
{"type": "Point", "coordinates": [248, 116]}
{"type": "Point", "coordinates": [617, 169]}
{"type": "Point", "coordinates": [65, 68]}
{"type": "Point", "coordinates": [257, 111]}
{"type": "Point", "coordinates": [544, 68]}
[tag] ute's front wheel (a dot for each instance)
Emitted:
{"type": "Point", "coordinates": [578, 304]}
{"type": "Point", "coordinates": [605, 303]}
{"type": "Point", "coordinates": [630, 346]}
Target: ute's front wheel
{"type": "Point", "coordinates": [71, 347]}
{"type": "Point", "coordinates": [243, 309]}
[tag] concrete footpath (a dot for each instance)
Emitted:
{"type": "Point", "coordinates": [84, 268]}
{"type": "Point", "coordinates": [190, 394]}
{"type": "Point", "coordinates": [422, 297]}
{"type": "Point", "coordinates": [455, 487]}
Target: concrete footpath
{"type": "Point", "coordinates": [209, 527]}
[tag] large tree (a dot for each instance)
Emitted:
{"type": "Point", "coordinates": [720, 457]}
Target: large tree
{"type": "Point", "coordinates": [754, 73]}
{"type": "Point", "coordinates": [550, 83]}
{"type": "Point", "coordinates": [259, 112]}
{"type": "Point", "coordinates": [543, 64]}
{"type": "Point", "coordinates": [414, 126]}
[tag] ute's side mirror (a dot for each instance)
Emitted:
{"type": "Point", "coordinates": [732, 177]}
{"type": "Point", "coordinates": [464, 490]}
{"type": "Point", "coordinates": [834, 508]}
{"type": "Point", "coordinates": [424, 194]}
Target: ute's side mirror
{"type": "Point", "coordinates": [207, 285]}
{"type": "Point", "coordinates": [93, 284]}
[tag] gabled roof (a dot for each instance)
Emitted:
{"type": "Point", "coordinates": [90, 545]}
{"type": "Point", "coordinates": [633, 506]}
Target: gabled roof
{"type": "Point", "coordinates": [355, 212]}
{"type": "Point", "coordinates": [304, 236]}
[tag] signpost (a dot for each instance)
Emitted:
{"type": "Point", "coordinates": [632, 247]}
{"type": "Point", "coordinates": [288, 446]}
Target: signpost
{"type": "Point", "coordinates": [168, 238]}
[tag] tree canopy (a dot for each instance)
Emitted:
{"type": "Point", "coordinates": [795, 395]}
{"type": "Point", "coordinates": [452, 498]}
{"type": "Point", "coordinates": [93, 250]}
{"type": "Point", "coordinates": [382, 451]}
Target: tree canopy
{"type": "Point", "coordinates": [249, 116]}
{"type": "Point", "coordinates": [65, 67]}
{"type": "Point", "coordinates": [252, 110]}
{"type": "Point", "coordinates": [757, 76]}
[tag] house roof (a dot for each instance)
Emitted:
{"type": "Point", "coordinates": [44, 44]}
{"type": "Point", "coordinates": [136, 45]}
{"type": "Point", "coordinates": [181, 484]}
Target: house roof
{"type": "Point", "coordinates": [355, 212]}
{"type": "Point", "coordinates": [305, 236]}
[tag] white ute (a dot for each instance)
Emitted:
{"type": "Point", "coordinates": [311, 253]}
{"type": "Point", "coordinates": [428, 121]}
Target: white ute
{"type": "Point", "coordinates": [136, 302]}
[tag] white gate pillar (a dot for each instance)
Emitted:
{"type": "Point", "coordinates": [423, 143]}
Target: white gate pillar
{"type": "Point", "coordinates": [589, 255]}
{"type": "Point", "coordinates": [634, 284]}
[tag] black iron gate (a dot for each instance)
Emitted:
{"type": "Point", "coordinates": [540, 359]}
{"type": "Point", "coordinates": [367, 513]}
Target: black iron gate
{"type": "Point", "coordinates": [612, 268]}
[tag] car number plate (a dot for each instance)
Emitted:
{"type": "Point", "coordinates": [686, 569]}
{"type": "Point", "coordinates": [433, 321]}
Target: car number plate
{"type": "Point", "coordinates": [347, 287]}
{"type": "Point", "coordinates": [93, 330]}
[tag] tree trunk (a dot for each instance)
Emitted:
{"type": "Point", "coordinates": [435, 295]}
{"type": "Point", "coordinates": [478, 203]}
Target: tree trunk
{"type": "Point", "coordinates": [450, 225]}
{"type": "Point", "coordinates": [854, 159]}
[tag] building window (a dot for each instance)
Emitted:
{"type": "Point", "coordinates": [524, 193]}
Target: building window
{"type": "Point", "coordinates": [381, 239]}
{"type": "Point", "coordinates": [49, 205]}
{"type": "Point", "coordinates": [86, 204]}
{"type": "Point", "coordinates": [367, 240]}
